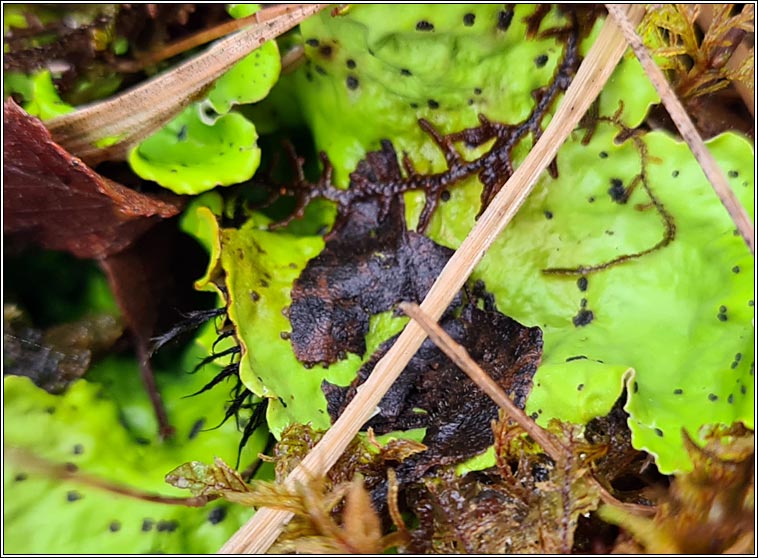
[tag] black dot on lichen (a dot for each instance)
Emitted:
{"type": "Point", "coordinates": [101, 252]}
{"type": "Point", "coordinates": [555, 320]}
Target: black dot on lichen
{"type": "Point", "coordinates": [541, 60]}
{"type": "Point", "coordinates": [751, 303]}
{"type": "Point", "coordinates": [70, 467]}
{"type": "Point", "coordinates": [414, 105]}
{"type": "Point", "coordinates": [675, 173]}
{"type": "Point", "coordinates": [114, 526]}
{"type": "Point", "coordinates": [617, 191]}
{"type": "Point", "coordinates": [736, 269]}
{"type": "Point", "coordinates": [504, 19]}
{"type": "Point", "coordinates": [591, 199]}
{"type": "Point", "coordinates": [255, 297]}
{"type": "Point", "coordinates": [168, 526]}
{"type": "Point", "coordinates": [445, 195]}
{"type": "Point", "coordinates": [635, 387]}
{"type": "Point", "coordinates": [582, 283]}
{"type": "Point", "coordinates": [734, 365]}
{"type": "Point", "coordinates": [730, 399]}
{"type": "Point", "coordinates": [320, 70]}
{"type": "Point", "coordinates": [580, 387]}
{"type": "Point", "coordinates": [405, 72]}
{"type": "Point", "coordinates": [325, 51]}
{"type": "Point", "coordinates": [433, 104]}
{"type": "Point", "coordinates": [352, 82]}
{"type": "Point", "coordinates": [678, 391]}
{"type": "Point", "coordinates": [78, 449]}
{"type": "Point", "coordinates": [73, 496]}
{"type": "Point", "coordinates": [713, 397]}
{"type": "Point", "coordinates": [534, 416]}
{"type": "Point", "coordinates": [548, 214]}
{"type": "Point", "coordinates": [603, 155]}
{"type": "Point", "coordinates": [659, 432]}
{"type": "Point", "coordinates": [182, 134]}
{"type": "Point", "coordinates": [470, 102]}
{"type": "Point", "coordinates": [20, 477]}
{"type": "Point", "coordinates": [147, 525]}
{"type": "Point", "coordinates": [216, 515]}
{"type": "Point", "coordinates": [469, 19]}
{"type": "Point", "coordinates": [312, 42]}
{"type": "Point", "coordinates": [350, 63]}
{"type": "Point", "coordinates": [284, 335]}
{"type": "Point", "coordinates": [743, 390]}
{"type": "Point", "coordinates": [424, 25]}
{"type": "Point", "coordinates": [733, 174]}
{"type": "Point", "coordinates": [738, 357]}
{"type": "Point", "coordinates": [583, 318]}
{"type": "Point", "coordinates": [477, 91]}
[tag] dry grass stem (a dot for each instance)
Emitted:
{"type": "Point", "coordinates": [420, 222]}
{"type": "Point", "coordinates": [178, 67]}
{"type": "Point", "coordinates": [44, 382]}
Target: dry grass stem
{"type": "Point", "coordinates": [685, 126]}
{"type": "Point", "coordinates": [135, 114]}
{"type": "Point", "coordinates": [257, 535]}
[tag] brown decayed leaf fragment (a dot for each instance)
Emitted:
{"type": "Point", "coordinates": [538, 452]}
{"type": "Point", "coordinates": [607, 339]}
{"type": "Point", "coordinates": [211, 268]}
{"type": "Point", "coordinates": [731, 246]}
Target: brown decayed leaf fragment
{"type": "Point", "coordinates": [433, 393]}
{"type": "Point", "coordinates": [54, 200]}
{"type": "Point", "coordinates": [371, 263]}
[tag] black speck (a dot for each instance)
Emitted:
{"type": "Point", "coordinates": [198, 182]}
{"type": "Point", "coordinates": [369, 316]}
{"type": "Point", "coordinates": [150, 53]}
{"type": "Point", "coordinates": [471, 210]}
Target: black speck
{"type": "Point", "coordinates": [675, 173]}
{"type": "Point", "coordinates": [196, 428]}
{"type": "Point", "coordinates": [534, 416]}
{"type": "Point", "coordinates": [582, 283]}
{"type": "Point", "coordinates": [309, 76]}
{"type": "Point", "coordinates": [541, 60]}
{"type": "Point", "coordinates": [730, 399]}
{"type": "Point", "coordinates": [504, 19]}
{"type": "Point", "coordinates": [751, 303]}
{"type": "Point", "coordinates": [603, 155]}
{"type": "Point", "coordinates": [548, 214]}
{"type": "Point", "coordinates": [577, 357]}
{"type": "Point", "coordinates": [21, 477]}
{"type": "Point", "coordinates": [713, 397]}
{"type": "Point", "coordinates": [73, 496]}
{"type": "Point", "coordinates": [722, 309]}
{"type": "Point", "coordinates": [591, 199]}
{"type": "Point", "coordinates": [114, 526]}
{"type": "Point", "coordinates": [470, 102]}
{"type": "Point", "coordinates": [284, 335]}
{"type": "Point", "coordinates": [445, 195]}
{"type": "Point", "coordinates": [743, 390]}
{"type": "Point", "coordinates": [405, 72]}
{"type": "Point", "coordinates": [414, 105]}
{"type": "Point", "coordinates": [678, 391]}
{"type": "Point", "coordinates": [635, 387]}
{"type": "Point", "coordinates": [424, 25]}
{"type": "Point", "coordinates": [142, 441]}
{"type": "Point", "coordinates": [738, 357]}
{"type": "Point", "coordinates": [312, 42]}
{"type": "Point", "coordinates": [320, 70]}
{"type": "Point", "coordinates": [736, 269]}
{"type": "Point", "coordinates": [469, 19]}
{"type": "Point", "coordinates": [583, 318]}
{"type": "Point", "coordinates": [255, 296]}
{"type": "Point", "coordinates": [182, 134]}
{"type": "Point", "coordinates": [70, 467]}
{"type": "Point", "coordinates": [734, 364]}
{"type": "Point", "coordinates": [217, 515]}
{"type": "Point", "coordinates": [352, 82]}
{"type": "Point", "coordinates": [168, 526]}
{"type": "Point", "coordinates": [659, 432]}
{"type": "Point", "coordinates": [433, 104]}
{"type": "Point", "coordinates": [477, 91]}
{"type": "Point", "coordinates": [722, 317]}
{"type": "Point", "coordinates": [350, 63]}
{"type": "Point", "coordinates": [583, 303]}
{"type": "Point", "coordinates": [50, 410]}
{"type": "Point", "coordinates": [78, 449]}
{"type": "Point", "coordinates": [617, 191]}
{"type": "Point", "coordinates": [733, 174]}
{"type": "Point", "coordinates": [147, 525]}
{"type": "Point", "coordinates": [325, 51]}
{"type": "Point", "coordinates": [263, 283]}
{"type": "Point", "coordinates": [580, 387]}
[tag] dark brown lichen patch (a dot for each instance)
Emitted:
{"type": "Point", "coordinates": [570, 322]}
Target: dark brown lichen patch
{"type": "Point", "coordinates": [457, 414]}
{"type": "Point", "coordinates": [617, 191]}
{"type": "Point", "coordinates": [371, 263]}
